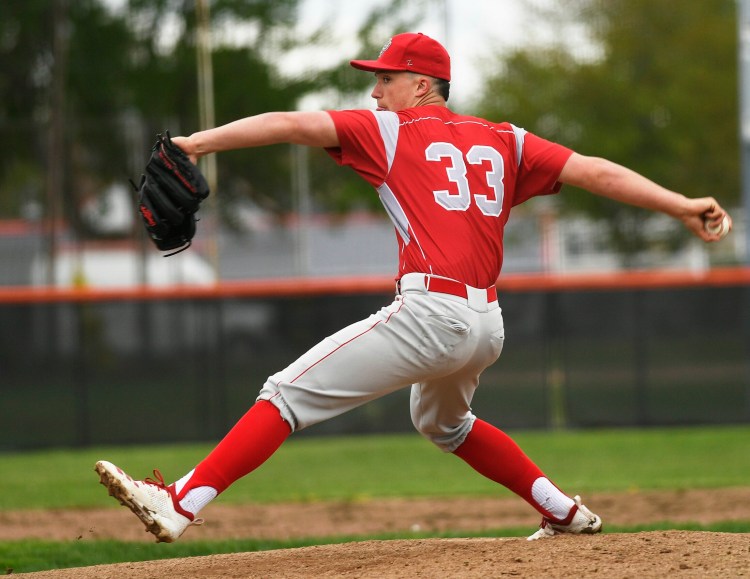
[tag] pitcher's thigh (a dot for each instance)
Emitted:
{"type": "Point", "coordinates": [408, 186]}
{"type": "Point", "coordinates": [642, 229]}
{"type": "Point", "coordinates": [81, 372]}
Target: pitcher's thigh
{"type": "Point", "coordinates": [360, 363]}
{"type": "Point", "coordinates": [441, 407]}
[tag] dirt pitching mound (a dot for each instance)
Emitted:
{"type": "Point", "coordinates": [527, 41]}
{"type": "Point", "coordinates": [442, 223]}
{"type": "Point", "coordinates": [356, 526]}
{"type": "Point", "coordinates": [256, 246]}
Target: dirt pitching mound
{"type": "Point", "coordinates": [644, 555]}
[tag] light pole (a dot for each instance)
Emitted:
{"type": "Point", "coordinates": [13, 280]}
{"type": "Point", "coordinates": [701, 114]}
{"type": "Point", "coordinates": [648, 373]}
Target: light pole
{"type": "Point", "coordinates": [207, 119]}
{"type": "Point", "coordinates": [743, 24]}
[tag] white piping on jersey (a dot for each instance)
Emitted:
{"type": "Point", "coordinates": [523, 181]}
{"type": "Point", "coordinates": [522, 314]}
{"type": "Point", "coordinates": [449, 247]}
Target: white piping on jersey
{"type": "Point", "coordinates": [399, 219]}
{"type": "Point", "coordinates": [388, 125]}
{"type": "Point", "coordinates": [395, 211]}
{"type": "Point", "coordinates": [518, 133]}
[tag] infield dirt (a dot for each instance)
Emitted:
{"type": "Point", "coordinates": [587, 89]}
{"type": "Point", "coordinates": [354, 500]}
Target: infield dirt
{"type": "Point", "coordinates": [684, 554]}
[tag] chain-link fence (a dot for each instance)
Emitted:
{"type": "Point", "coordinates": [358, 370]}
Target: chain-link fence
{"type": "Point", "coordinates": [123, 369]}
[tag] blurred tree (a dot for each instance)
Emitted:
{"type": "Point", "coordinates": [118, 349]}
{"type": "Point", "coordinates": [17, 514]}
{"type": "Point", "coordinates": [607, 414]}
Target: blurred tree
{"type": "Point", "coordinates": [131, 72]}
{"type": "Point", "coordinates": [653, 86]}
{"type": "Point", "coordinates": [99, 61]}
{"type": "Point", "coordinates": [26, 34]}
{"type": "Point", "coordinates": [247, 37]}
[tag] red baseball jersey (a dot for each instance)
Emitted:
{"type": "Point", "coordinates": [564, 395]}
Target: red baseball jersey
{"type": "Point", "coordinates": [448, 182]}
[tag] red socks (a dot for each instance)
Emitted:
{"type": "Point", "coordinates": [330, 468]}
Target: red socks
{"type": "Point", "coordinates": [488, 450]}
{"type": "Point", "coordinates": [255, 437]}
{"type": "Point", "coordinates": [492, 453]}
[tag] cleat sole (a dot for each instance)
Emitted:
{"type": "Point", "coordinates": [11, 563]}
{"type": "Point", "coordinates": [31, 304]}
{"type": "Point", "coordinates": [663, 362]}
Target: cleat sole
{"type": "Point", "coordinates": [125, 498]}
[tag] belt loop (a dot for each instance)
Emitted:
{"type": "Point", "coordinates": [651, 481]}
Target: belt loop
{"type": "Point", "coordinates": [476, 299]}
{"type": "Point", "coordinates": [427, 282]}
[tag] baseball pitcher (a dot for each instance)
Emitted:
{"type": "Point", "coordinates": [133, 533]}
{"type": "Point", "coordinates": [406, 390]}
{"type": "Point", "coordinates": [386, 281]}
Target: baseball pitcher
{"type": "Point", "coordinates": [448, 183]}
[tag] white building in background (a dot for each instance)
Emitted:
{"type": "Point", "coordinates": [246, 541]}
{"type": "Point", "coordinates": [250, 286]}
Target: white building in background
{"type": "Point", "coordinates": [122, 267]}
{"type": "Point", "coordinates": [321, 245]}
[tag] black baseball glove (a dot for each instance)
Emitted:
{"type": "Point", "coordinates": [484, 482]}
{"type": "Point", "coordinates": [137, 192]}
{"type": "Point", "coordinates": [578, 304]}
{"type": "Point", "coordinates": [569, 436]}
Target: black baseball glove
{"type": "Point", "coordinates": [169, 195]}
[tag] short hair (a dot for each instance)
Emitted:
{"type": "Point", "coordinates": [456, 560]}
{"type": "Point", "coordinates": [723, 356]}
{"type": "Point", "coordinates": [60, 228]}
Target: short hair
{"type": "Point", "coordinates": [442, 87]}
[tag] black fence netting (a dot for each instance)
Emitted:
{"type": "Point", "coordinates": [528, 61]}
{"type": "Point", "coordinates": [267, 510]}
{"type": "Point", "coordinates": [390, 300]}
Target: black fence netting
{"type": "Point", "coordinates": [118, 371]}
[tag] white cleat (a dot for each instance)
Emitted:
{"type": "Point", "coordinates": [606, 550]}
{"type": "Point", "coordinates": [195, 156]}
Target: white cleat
{"type": "Point", "coordinates": [152, 501]}
{"type": "Point", "coordinates": [584, 523]}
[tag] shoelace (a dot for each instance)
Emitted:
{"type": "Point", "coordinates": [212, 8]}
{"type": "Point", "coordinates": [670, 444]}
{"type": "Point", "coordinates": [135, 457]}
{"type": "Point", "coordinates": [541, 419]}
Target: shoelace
{"type": "Point", "coordinates": [158, 481]}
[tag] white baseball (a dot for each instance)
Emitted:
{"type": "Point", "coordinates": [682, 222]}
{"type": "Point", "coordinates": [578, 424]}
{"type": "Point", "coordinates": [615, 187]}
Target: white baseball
{"type": "Point", "coordinates": [721, 230]}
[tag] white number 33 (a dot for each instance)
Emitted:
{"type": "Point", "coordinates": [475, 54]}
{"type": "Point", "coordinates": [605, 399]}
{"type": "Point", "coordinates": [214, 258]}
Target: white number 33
{"type": "Point", "coordinates": [492, 204]}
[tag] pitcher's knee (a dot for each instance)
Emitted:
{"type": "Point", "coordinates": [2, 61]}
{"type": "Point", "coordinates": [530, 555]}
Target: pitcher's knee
{"type": "Point", "coordinates": [446, 437]}
{"type": "Point", "coordinates": [272, 393]}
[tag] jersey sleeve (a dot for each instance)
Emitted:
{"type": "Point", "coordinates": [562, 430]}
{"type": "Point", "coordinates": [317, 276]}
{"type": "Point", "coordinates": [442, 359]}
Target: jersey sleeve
{"type": "Point", "coordinates": [361, 145]}
{"type": "Point", "coordinates": [541, 163]}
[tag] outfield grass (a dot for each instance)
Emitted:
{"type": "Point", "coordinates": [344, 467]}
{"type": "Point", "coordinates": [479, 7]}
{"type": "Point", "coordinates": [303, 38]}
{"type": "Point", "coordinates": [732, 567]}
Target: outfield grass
{"type": "Point", "coordinates": [349, 468]}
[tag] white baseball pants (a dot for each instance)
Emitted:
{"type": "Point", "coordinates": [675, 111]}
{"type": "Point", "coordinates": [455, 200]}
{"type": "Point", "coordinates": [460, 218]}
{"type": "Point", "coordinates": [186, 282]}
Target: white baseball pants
{"type": "Point", "coordinates": [436, 343]}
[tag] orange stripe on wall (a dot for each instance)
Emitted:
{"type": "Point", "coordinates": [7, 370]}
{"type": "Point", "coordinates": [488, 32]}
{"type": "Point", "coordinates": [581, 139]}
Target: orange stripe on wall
{"type": "Point", "coordinates": [283, 287]}
{"type": "Point", "coordinates": [300, 287]}
{"type": "Point", "coordinates": [654, 279]}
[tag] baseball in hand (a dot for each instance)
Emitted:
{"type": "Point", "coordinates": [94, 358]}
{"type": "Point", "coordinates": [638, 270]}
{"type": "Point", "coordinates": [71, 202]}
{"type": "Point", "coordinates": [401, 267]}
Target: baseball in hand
{"type": "Point", "coordinates": [721, 230]}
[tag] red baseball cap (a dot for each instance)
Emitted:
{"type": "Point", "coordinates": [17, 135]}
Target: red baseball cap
{"type": "Point", "coordinates": [410, 52]}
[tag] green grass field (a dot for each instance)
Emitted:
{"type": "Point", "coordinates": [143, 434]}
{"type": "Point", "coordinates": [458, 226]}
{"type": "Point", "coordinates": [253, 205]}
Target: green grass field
{"type": "Point", "coordinates": [350, 468]}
